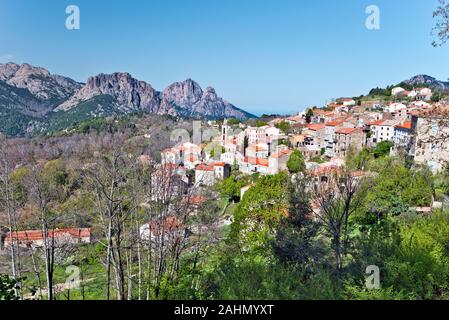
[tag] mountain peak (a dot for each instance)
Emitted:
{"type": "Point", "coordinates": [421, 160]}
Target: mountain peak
{"type": "Point", "coordinates": [431, 81]}
{"type": "Point", "coordinates": [183, 93]}
{"type": "Point", "coordinates": [8, 70]}
{"type": "Point", "coordinates": [421, 78]}
{"type": "Point", "coordinates": [131, 94]}
{"type": "Point", "coordinates": [38, 81]}
{"type": "Point", "coordinates": [26, 70]}
{"type": "Point", "coordinates": [46, 96]}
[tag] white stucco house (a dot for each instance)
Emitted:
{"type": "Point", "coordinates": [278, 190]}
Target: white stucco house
{"type": "Point", "coordinates": [397, 90]}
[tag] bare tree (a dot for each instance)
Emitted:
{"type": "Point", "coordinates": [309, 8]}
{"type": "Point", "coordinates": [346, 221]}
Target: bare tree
{"type": "Point", "coordinates": [7, 202]}
{"type": "Point", "coordinates": [441, 29]}
{"type": "Point", "coordinates": [41, 196]}
{"type": "Point", "coordinates": [47, 190]}
{"type": "Point", "coordinates": [336, 200]}
{"type": "Point", "coordinates": [169, 206]}
{"type": "Point", "coordinates": [111, 180]}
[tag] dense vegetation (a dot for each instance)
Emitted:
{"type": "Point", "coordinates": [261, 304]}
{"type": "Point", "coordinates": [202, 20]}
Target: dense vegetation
{"type": "Point", "coordinates": [384, 95]}
{"type": "Point", "coordinates": [274, 255]}
{"type": "Point", "coordinates": [287, 238]}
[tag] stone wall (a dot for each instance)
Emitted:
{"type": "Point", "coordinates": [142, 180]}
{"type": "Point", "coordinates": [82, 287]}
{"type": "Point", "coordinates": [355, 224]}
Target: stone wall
{"type": "Point", "coordinates": [431, 145]}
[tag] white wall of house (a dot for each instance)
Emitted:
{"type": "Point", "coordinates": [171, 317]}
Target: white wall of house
{"type": "Point", "coordinates": [219, 172]}
{"type": "Point", "coordinates": [397, 90]}
{"type": "Point", "coordinates": [228, 157]}
{"type": "Point", "coordinates": [401, 136]}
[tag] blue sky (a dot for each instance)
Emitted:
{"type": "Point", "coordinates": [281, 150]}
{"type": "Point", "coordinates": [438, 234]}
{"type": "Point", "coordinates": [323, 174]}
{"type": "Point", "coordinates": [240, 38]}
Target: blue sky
{"type": "Point", "coordinates": [273, 56]}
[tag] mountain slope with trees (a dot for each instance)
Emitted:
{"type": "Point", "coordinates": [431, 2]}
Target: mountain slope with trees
{"type": "Point", "coordinates": [33, 101]}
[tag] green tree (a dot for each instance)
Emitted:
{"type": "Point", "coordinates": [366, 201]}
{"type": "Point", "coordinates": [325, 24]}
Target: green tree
{"type": "Point", "coordinates": [383, 149]}
{"type": "Point", "coordinates": [309, 115]}
{"type": "Point", "coordinates": [296, 238]}
{"type": "Point", "coordinates": [259, 212]}
{"type": "Point", "coordinates": [360, 160]}
{"type": "Point", "coordinates": [284, 126]}
{"type": "Point", "coordinates": [212, 152]}
{"type": "Point", "coordinates": [233, 121]}
{"type": "Point", "coordinates": [8, 288]}
{"type": "Point", "coordinates": [230, 188]}
{"type": "Point", "coordinates": [260, 123]}
{"type": "Point", "coordinates": [396, 188]}
{"type": "Point", "coordinates": [296, 162]}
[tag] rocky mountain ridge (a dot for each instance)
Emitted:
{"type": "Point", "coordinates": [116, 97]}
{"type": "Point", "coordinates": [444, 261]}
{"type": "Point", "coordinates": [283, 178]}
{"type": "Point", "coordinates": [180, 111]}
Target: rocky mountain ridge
{"type": "Point", "coordinates": [35, 92]}
{"type": "Point", "coordinates": [431, 81]}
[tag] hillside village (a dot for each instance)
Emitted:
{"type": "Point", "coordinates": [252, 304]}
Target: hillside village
{"type": "Point", "coordinates": [325, 136]}
{"type": "Point", "coordinates": [180, 184]}
{"type": "Point", "coordinates": [216, 153]}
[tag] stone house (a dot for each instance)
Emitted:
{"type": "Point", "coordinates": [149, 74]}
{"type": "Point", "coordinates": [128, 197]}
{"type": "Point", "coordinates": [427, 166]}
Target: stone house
{"type": "Point", "coordinates": [347, 139]}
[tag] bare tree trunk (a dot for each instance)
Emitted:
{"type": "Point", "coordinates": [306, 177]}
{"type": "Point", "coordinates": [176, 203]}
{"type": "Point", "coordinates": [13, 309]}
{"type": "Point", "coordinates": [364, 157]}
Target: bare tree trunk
{"type": "Point", "coordinates": [108, 261]}
{"type": "Point", "coordinates": [82, 284]}
{"type": "Point", "coordinates": [129, 273]}
{"type": "Point", "coordinates": [10, 214]}
{"type": "Point", "coordinates": [36, 271]}
{"type": "Point", "coordinates": [337, 250]}
{"type": "Point", "coordinates": [118, 267]}
{"type": "Point", "coordinates": [139, 276]}
{"type": "Point", "coordinates": [47, 258]}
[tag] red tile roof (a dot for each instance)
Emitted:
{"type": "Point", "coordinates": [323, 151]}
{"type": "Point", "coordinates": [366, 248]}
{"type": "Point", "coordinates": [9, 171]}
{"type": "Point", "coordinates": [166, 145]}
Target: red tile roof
{"type": "Point", "coordinates": [257, 161]}
{"type": "Point", "coordinates": [406, 125]}
{"type": "Point", "coordinates": [316, 126]}
{"type": "Point", "coordinates": [318, 112]}
{"type": "Point", "coordinates": [347, 130]}
{"type": "Point", "coordinates": [195, 200]}
{"type": "Point", "coordinates": [281, 153]}
{"type": "Point", "coordinates": [334, 123]}
{"type": "Point", "coordinates": [375, 123]}
{"type": "Point", "coordinates": [37, 235]}
{"type": "Point", "coordinates": [219, 164]}
{"type": "Point", "coordinates": [204, 167]}
{"type": "Point", "coordinates": [169, 224]}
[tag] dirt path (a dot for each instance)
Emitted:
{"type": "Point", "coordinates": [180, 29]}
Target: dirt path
{"type": "Point", "coordinates": [58, 288]}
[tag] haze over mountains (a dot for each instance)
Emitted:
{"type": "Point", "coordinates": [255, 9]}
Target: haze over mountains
{"type": "Point", "coordinates": [33, 101]}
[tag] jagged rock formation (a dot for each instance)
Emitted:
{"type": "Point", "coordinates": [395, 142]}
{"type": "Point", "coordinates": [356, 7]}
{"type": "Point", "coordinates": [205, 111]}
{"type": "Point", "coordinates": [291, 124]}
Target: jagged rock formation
{"type": "Point", "coordinates": [32, 97]}
{"type": "Point", "coordinates": [181, 98]}
{"type": "Point", "coordinates": [38, 81]}
{"type": "Point", "coordinates": [131, 94]}
{"type": "Point", "coordinates": [187, 98]}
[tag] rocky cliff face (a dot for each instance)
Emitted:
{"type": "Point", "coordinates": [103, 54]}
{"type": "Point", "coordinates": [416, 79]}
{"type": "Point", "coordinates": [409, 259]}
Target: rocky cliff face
{"type": "Point", "coordinates": [181, 98]}
{"type": "Point", "coordinates": [131, 94]}
{"type": "Point", "coordinates": [187, 98]}
{"type": "Point", "coordinates": [181, 94]}
{"type": "Point", "coordinates": [32, 97]}
{"type": "Point", "coordinates": [38, 81]}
